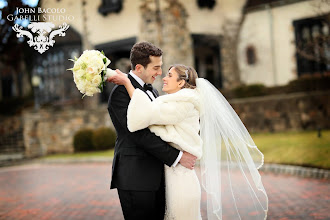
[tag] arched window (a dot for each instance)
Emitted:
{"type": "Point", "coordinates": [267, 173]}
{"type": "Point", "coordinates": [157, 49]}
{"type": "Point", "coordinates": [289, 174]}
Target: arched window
{"type": "Point", "coordinates": [251, 56]}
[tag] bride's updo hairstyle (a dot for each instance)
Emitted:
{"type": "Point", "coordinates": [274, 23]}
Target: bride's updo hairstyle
{"type": "Point", "coordinates": [186, 73]}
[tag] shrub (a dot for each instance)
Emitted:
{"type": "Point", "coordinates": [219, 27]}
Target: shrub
{"type": "Point", "coordinates": [306, 83]}
{"type": "Point", "coordinates": [250, 90]}
{"type": "Point", "coordinates": [82, 140]}
{"type": "Point", "coordinates": [103, 138]}
{"type": "Point", "coordinates": [309, 83]}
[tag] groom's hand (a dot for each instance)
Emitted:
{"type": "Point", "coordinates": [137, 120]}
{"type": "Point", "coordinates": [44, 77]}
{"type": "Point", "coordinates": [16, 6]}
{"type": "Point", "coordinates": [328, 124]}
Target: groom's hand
{"type": "Point", "coordinates": [188, 160]}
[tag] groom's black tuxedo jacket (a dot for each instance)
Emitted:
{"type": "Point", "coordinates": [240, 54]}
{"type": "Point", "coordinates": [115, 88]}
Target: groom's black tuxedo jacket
{"type": "Point", "coordinates": [139, 157]}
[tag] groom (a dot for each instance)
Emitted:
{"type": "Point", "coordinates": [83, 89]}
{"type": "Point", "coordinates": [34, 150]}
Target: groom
{"type": "Point", "coordinates": [139, 158]}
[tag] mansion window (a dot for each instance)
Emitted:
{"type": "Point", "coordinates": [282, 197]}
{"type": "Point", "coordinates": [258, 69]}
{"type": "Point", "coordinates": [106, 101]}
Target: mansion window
{"type": "Point", "coordinates": [312, 45]}
{"type": "Point", "coordinates": [56, 82]}
{"type": "Point", "coordinates": [207, 58]}
{"type": "Point", "coordinates": [109, 6]}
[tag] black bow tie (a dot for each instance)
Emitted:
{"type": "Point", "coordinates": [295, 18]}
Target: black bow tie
{"type": "Point", "coordinates": [148, 87]}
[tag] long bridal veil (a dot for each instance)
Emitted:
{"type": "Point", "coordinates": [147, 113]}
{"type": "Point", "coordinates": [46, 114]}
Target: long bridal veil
{"type": "Point", "coordinates": [230, 162]}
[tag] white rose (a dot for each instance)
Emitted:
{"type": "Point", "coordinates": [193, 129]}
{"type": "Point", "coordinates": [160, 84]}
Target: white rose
{"type": "Point", "coordinates": [91, 70]}
{"type": "Point", "coordinates": [79, 64]}
{"type": "Point", "coordinates": [88, 93]}
{"type": "Point", "coordinates": [81, 87]}
{"type": "Point", "coordinates": [97, 80]}
{"type": "Point", "coordinates": [99, 65]}
{"type": "Point", "coordinates": [92, 90]}
{"type": "Point", "coordinates": [79, 73]}
{"type": "Point", "coordinates": [88, 76]}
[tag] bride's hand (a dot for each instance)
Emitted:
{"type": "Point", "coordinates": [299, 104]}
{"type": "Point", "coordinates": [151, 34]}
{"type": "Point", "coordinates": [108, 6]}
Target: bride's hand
{"type": "Point", "coordinates": [120, 78]}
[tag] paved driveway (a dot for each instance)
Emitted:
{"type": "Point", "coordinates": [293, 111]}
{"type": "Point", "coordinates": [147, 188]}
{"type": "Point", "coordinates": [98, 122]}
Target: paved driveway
{"type": "Point", "coordinates": [81, 191]}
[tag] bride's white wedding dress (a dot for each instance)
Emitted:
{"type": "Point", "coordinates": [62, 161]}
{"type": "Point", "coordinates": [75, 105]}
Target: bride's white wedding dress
{"type": "Point", "coordinates": [183, 194]}
{"type": "Point", "coordinates": [175, 119]}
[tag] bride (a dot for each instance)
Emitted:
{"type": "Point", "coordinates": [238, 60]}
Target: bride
{"type": "Point", "coordinates": [196, 118]}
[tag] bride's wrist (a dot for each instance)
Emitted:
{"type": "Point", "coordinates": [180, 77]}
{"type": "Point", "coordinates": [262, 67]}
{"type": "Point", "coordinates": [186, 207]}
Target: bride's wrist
{"type": "Point", "coordinates": [127, 82]}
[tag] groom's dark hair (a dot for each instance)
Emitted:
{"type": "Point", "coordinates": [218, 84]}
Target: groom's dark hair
{"type": "Point", "coordinates": [141, 52]}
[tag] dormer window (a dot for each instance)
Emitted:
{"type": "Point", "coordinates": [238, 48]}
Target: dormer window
{"type": "Point", "coordinates": [206, 3]}
{"type": "Point", "coordinates": [110, 6]}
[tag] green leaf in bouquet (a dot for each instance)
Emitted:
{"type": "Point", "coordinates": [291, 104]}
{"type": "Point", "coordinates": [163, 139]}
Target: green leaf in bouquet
{"type": "Point", "coordinates": [103, 82]}
{"type": "Point", "coordinates": [104, 60]}
{"type": "Point", "coordinates": [102, 75]}
{"type": "Point", "coordinates": [72, 60]}
{"type": "Point", "coordinates": [84, 66]}
{"type": "Point", "coordinates": [102, 52]}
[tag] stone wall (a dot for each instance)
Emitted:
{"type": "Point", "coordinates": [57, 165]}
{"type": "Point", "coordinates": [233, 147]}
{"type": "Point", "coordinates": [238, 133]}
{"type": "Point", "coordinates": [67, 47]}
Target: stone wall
{"type": "Point", "coordinates": [296, 111]}
{"type": "Point", "coordinates": [51, 130]}
{"type": "Point", "coordinates": [11, 137]}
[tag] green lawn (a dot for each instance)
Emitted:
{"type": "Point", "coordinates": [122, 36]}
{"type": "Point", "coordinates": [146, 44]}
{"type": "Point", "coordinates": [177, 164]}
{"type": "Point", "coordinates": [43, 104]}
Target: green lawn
{"type": "Point", "coordinates": [295, 148]}
{"type": "Point", "coordinates": [106, 153]}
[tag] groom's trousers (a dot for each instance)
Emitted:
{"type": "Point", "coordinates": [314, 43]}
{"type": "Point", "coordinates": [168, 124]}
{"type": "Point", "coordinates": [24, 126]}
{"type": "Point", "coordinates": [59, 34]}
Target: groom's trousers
{"type": "Point", "coordinates": [143, 205]}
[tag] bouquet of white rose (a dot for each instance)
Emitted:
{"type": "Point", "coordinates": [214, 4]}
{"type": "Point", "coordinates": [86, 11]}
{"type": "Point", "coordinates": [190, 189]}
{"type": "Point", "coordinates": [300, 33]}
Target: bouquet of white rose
{"type": "Point", "coordinates": [90, 72]}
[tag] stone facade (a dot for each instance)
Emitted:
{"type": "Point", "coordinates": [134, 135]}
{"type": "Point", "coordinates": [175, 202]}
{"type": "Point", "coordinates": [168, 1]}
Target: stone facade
{"type": "Point", "coordinates": [11, 137]}
{"type": "Point", "coordinates": [229, 61]}
{"type": "Point", "coordinates": [51, 130]}
{"type": "Point", "coordinates": [167, 28]}
{"type": "Point", "coordinates": [296, 111]}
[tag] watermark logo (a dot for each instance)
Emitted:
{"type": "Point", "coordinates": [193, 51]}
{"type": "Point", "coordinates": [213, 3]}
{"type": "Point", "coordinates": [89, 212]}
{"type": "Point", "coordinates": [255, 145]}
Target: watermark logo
{"type": "Point", "coordinates": [41, 42]}
{"type": "Point", "coordinates": [40, 33]}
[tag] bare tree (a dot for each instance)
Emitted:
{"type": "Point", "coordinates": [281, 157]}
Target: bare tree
{"type": "Point", "coordinates": [315, 45]}
{"type": "Point", "coordinates": [15, 55]}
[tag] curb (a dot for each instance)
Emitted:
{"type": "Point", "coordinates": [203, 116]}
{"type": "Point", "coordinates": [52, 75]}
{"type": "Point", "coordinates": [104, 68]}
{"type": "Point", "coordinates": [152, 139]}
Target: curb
{"type": "Point", "coordinates": [306, 172]}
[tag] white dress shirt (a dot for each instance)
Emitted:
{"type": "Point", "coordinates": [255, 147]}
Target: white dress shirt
{"type": "Point", "coordinates": [140, 81]}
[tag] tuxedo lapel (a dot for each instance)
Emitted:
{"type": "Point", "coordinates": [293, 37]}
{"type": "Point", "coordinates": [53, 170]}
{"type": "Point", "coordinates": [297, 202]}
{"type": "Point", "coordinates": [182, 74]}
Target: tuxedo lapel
{"type": "Point", "coordinates": [135, 83]}
{"type": "Point", "coordinates": [155, 92]}
{"type": "Point", "coordinates": [138, 86]}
